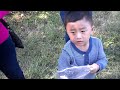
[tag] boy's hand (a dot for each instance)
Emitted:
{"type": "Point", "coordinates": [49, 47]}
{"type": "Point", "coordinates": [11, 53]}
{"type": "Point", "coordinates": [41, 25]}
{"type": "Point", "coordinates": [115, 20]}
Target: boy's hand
{"type": "Point", "coordinates": [93, 68]}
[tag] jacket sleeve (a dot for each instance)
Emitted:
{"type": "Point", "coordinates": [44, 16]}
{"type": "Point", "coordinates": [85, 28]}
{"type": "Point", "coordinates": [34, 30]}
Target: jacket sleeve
{"type": "Point", "coordinates": [101, 60]}
{"type": "Point", "coordinates": [3, 13]}
{"type": "Point", "coordinates": [64, 60]}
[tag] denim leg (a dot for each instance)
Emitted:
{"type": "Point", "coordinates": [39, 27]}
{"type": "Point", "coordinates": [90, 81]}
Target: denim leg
{"type": "Point", "coordinates": [8, 61]}
{"type": "Point", "coordinates": [62, 14]}
{"type": "Point", "coordinates": [66, 35]}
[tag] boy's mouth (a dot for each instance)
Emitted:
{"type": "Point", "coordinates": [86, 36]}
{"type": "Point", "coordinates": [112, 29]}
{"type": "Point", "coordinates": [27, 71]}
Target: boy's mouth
{"type": "Point", "coordinates": [79, 42]}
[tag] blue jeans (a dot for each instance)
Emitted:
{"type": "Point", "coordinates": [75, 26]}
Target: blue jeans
{"type": "Point", "coordinates": [66, 35]}
{"type": "Point", "coordinates": [8, 60]}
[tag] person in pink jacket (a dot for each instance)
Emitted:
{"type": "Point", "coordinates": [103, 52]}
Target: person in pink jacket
{"type": "Point", "coordinates": [8, 59]}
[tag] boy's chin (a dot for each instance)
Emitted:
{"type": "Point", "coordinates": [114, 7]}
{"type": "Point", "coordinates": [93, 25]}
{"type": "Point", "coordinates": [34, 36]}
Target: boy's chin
{"type": "Point", "coordinates": [80, 44]}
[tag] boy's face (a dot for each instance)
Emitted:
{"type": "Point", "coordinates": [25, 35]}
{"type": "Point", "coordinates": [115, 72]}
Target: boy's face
{"type": "Point", "coordinates": [79, 32]}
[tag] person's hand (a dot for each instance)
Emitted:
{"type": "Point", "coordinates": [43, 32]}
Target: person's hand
{"type": "Point", "coordinates": [93, 68]}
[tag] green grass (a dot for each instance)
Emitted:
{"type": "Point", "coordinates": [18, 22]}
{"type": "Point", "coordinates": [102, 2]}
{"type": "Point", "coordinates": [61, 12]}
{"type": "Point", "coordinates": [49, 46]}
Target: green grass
{"type": "Point", "coordinates": [42, 33]}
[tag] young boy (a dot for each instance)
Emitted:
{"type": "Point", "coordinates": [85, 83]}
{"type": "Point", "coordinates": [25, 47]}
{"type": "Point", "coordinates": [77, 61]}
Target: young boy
{"type": "Point", "coordinates": [82, 49]}
{"type": "Point", "coordinates": [62, 14]}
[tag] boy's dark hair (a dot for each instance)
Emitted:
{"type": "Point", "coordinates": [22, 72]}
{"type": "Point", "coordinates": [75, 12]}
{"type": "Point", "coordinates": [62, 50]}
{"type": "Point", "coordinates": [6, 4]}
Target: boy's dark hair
{"type": "Point", "coordinates": [72, 16]}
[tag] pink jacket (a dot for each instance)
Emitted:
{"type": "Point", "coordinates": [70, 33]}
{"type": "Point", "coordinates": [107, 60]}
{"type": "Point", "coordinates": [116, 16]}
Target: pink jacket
{"type": "Point", "coordinates": [4, 33]}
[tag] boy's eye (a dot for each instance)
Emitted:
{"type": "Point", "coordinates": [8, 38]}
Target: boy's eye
{"type": "Point", "coordinates": [72, 32]}
{"type": "Point", "coordinates": [82, 31]}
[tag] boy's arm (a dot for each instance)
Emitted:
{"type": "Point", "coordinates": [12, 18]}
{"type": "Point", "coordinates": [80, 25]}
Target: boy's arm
{"type": "Point", "coordinates": [102, 60]}
{"type": "Point", "coordinates": [64, 60]}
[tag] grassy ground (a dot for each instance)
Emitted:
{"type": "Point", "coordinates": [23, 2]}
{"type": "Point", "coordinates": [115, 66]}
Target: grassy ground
{"type": "Point", "coordinates": [42, 33]}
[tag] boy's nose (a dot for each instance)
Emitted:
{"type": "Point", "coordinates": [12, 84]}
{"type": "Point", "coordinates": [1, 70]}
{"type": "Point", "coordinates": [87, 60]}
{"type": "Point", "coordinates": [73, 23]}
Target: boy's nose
{"type": "Point", "coordinates": [79, 35]}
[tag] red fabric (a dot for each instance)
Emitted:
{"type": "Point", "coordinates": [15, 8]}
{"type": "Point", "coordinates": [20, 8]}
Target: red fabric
{"type": "Point", "coordinates": [4, 33]}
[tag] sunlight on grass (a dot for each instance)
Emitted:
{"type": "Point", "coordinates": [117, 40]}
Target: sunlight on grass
{"type": "Point", "coordinates": [43, 15]}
